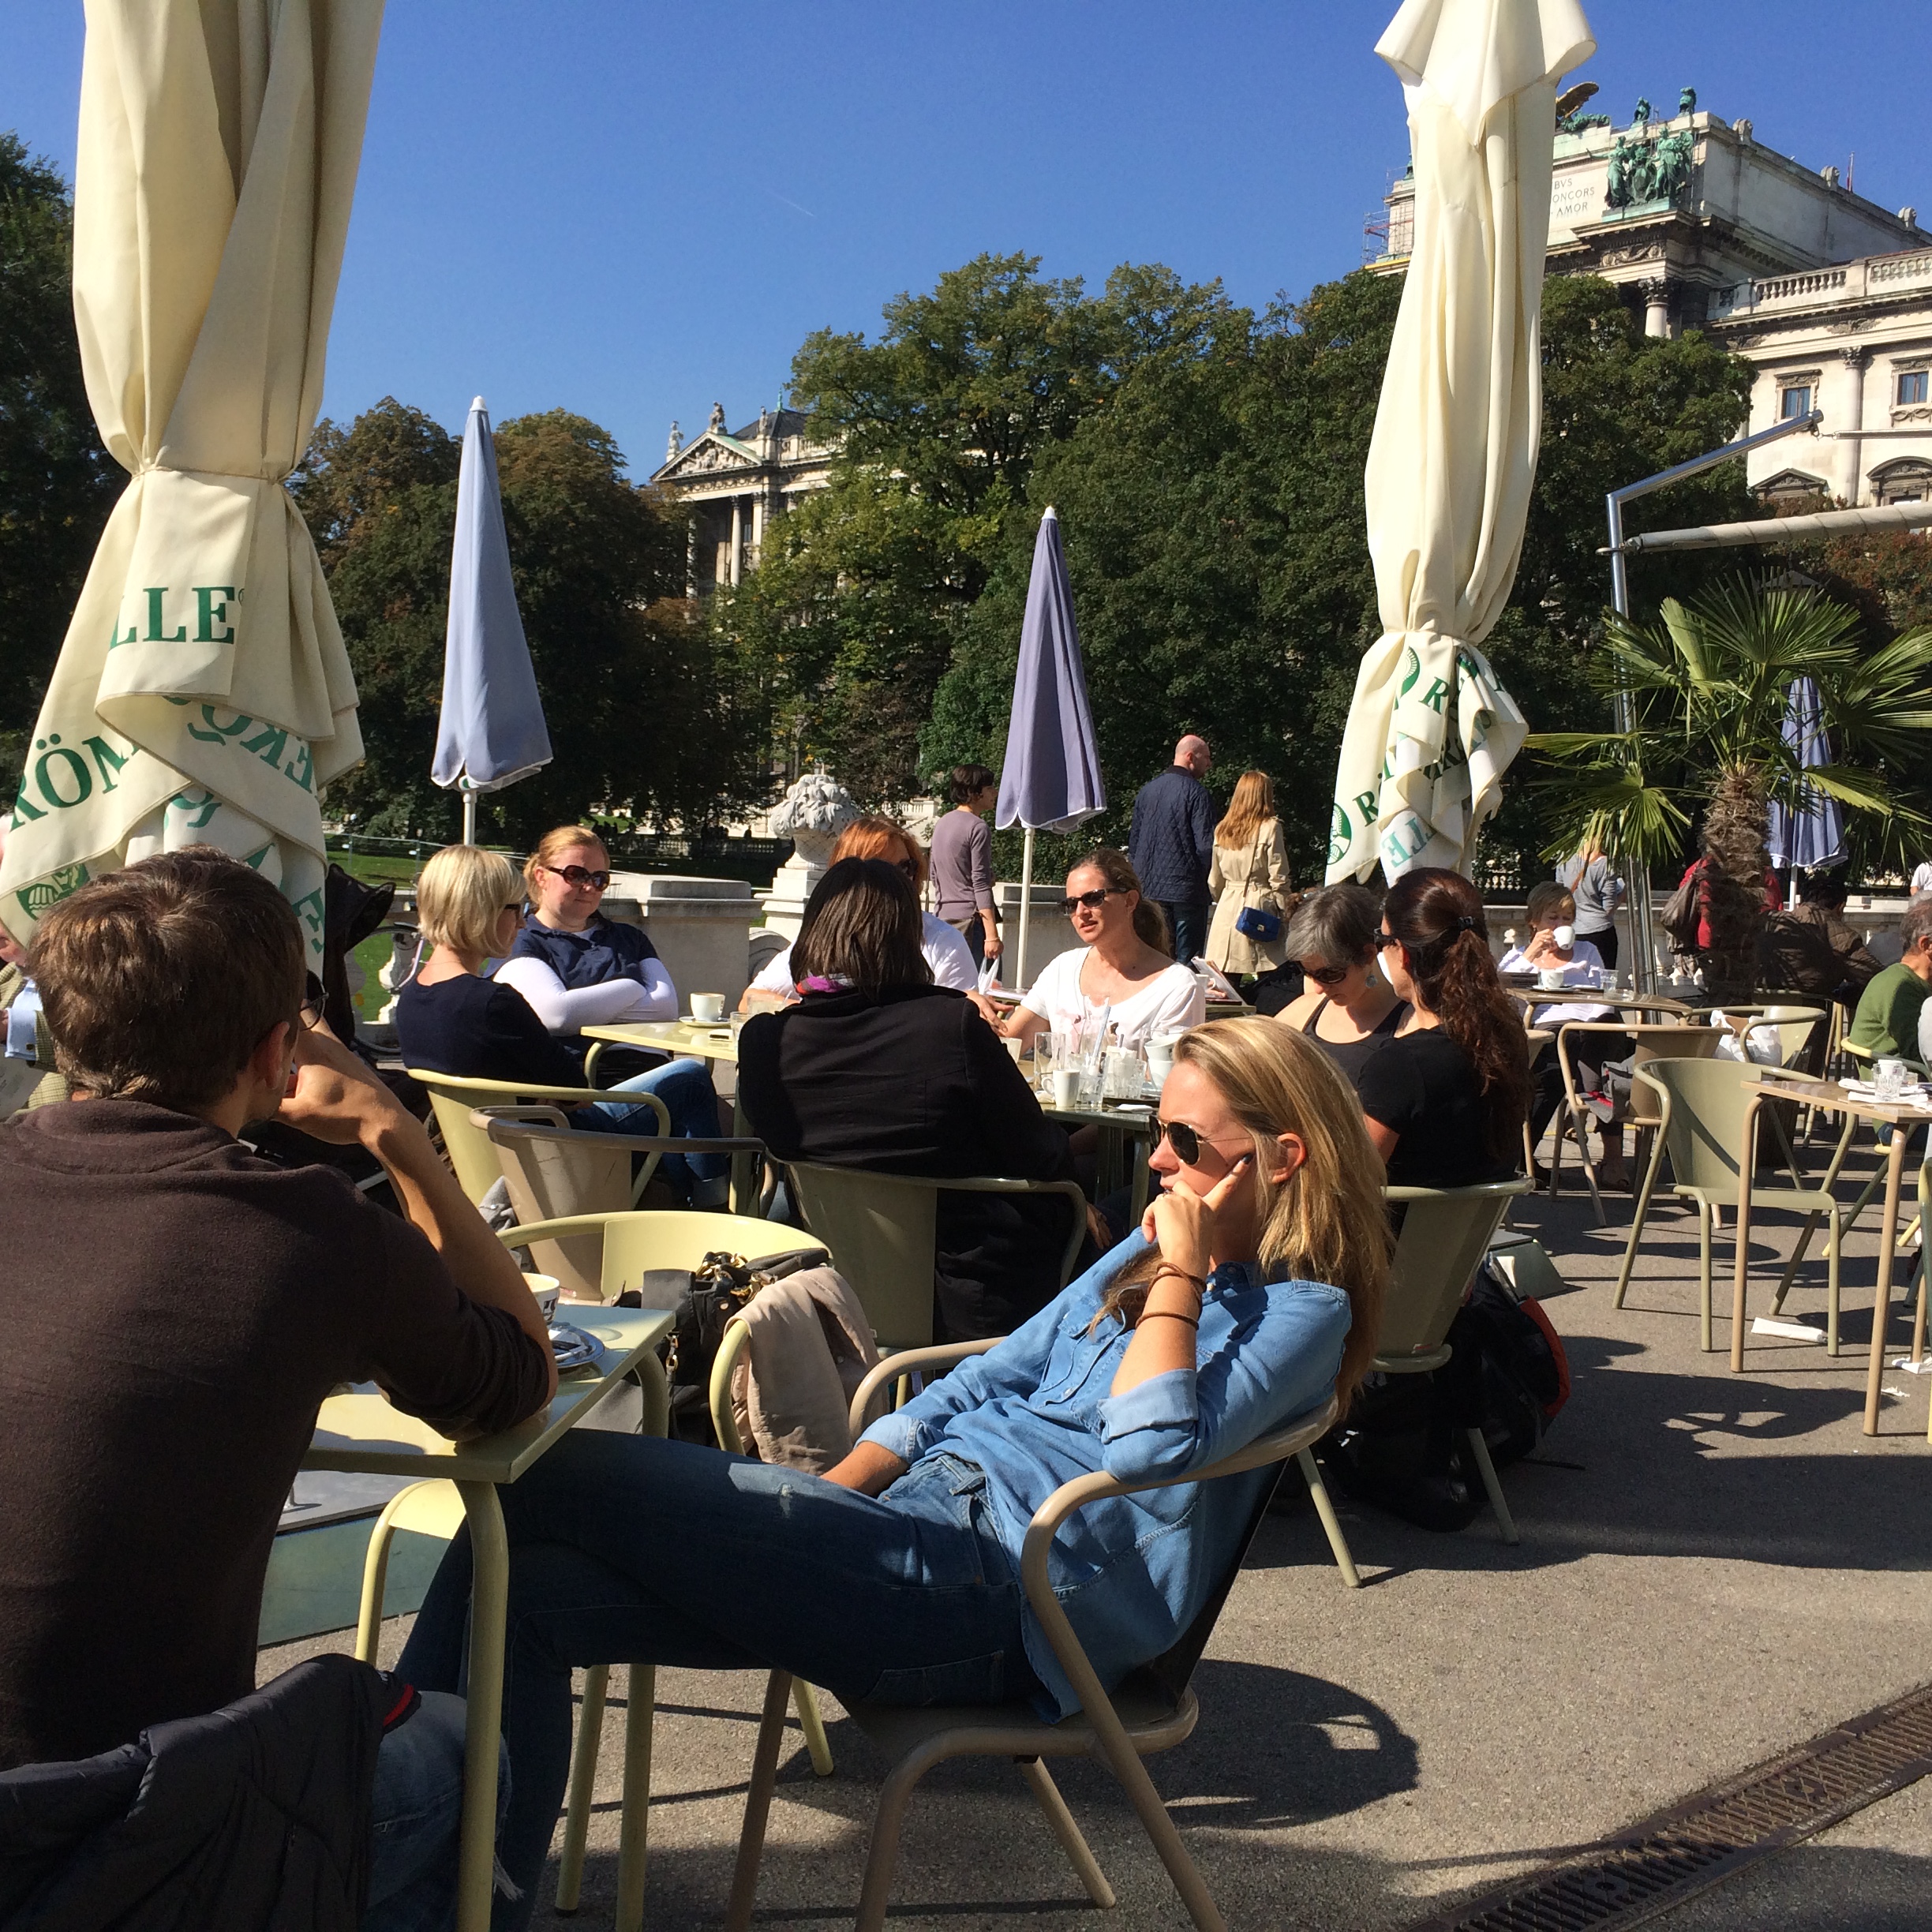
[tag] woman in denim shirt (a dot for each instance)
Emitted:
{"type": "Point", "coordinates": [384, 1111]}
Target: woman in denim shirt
{"type": "Point", "coordinates": [1253, 1289]}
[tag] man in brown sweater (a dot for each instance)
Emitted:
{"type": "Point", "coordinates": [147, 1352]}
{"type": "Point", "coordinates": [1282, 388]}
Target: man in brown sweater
{"type": "Point", "coordinates": [175, 1307]}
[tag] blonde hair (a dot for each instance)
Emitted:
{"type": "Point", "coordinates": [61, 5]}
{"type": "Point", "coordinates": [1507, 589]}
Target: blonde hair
{"type": "Point", "coordinates": [1251, 807]}
{"type": "Point", "coordinates": [1327, 1222]}
{"type": "Point", "coordinates": [873, 835]}
{"type": "Point", "coordinates": [461, 895]}
{"type": "Point", "coordinates": [559, 839]}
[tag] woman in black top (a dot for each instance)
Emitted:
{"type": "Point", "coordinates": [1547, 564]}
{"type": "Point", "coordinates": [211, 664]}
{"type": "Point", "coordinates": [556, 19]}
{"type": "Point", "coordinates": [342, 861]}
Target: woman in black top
{"type": "Point", "coordinates": [875, 1067]}
{"type": "Point", "coordinates": [1346, 1007]}
{"type": "Point", "coordinates": [1445, 1100]}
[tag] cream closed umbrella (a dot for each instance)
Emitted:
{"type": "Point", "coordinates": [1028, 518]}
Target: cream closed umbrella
{"type": "Point", "coordinates": [203, 694]}
{"type": "Point", "coordinates": [1453, 458]}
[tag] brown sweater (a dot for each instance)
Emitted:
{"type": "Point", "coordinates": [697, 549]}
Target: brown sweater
{"type": "Point", "coordinates": [174, 1310]}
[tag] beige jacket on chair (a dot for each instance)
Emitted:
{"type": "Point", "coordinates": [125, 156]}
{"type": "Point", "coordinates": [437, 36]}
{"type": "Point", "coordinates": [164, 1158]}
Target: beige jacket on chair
{"type": "Point", "coordinates": [807, 1349]}
{"type": "Point", "coordinates": [1256, 875]}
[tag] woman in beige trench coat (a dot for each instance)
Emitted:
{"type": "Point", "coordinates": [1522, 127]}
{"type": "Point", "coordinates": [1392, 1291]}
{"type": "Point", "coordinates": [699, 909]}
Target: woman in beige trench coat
{"type": "Point", "coordinates": [1249, 868]}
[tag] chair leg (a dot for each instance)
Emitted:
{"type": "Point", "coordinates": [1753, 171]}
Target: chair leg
{"type": "Point", "coordinates": [1318, 1492]}
{"type": "Point", "coordinates": [1079, 1854]}
{"type": "Point", "coordinates": [805, 1701]}
{"type": "Point", "coordinates": [1637, 1218]}
{"type": "Point", "coordinates": [758, 1804]}
{"type": "Point", "coordinates": [1580, 1126]}
{"type": "Point", "coordinates": [1705, 1216]}
{"type": "Point", "coordinates": [882, 1853]}
{"type": "Point", "coordinates": [1486, 1469]}
{"type": "Point", "coordinates": [583, 1777]}
{"type": "Point", "coordinates": [634, 1832]}
{"type": "Point", "coordinates": [375, 1579]}
{"type": "Point", "coordinates": [1835, 1245]}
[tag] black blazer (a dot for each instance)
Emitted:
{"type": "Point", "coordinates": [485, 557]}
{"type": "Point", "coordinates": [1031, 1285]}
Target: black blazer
{"type": "Point", "coordinates": [914, 1082]}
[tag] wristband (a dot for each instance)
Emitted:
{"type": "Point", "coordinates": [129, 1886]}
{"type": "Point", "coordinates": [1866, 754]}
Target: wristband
{"type": "Point", "coordinates": [1148, 1315]}
{"type": "Point", "coordinates": [1168, 1267]}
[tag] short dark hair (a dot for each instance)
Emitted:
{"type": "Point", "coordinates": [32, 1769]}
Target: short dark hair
{"type": "Point", "coordinates": [862, 925]}
{"type": "Point", "coordinates": [969, 781]}
{"type": "Point", "coordinates": [1824, 889]}
{"type": "Point", "coordinates": [159, 981]}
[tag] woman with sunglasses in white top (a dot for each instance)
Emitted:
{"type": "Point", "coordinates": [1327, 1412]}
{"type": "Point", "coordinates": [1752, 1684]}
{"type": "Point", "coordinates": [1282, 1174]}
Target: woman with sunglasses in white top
{"type": "Point", "coordinates": [1347, 1009]}
{"type": "Point", "coordinates": [1122, 965]}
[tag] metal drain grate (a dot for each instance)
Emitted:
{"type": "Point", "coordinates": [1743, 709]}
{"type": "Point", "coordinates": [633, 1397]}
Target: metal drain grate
{"type": "Point", "coordinates": [1658, 1863]}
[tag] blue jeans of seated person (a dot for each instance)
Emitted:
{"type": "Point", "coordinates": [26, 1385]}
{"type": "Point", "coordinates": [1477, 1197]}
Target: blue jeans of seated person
{"type": "Point", "coordinates": [685, 1088]}
{"type": "Point", "coordinates": [415, 1817]}
{"type": "Point", "coordinates": [634, 1549]}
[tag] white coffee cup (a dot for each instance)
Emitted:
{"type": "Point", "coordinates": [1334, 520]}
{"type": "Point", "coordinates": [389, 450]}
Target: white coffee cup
{"type": "Point", "coordinates": [546, 1288]}
{"type": "Point", "coordinates": [1015, 1046]}
{"type": "Point", "coordinates": [1160, 1049]}
{"type": "Point", "coordinates": [1066, 1082]}
{"type": "Point", "coordinates": [708, 1008]}
{"type": "Point", "coordinates": [1550, 979]}
{"type": "Point", "coordinates": [1565, 936]}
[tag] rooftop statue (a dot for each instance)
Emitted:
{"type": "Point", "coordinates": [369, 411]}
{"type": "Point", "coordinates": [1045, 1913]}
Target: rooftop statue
{"type": "Point", "coordinates": [1687, 101]}
{"type": "Point", "coordinates": [716, 425]}
{"type": "Point", "coordinates": [1639, 115]}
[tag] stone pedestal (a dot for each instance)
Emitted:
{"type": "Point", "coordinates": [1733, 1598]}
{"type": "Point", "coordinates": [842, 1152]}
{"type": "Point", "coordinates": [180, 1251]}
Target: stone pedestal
{"type": "Point", "coordinates": [811, 814]}
{"type": "Point", "coordinates": [702, 928]}
{"type": "Point", "coordinates": [1050, 932]}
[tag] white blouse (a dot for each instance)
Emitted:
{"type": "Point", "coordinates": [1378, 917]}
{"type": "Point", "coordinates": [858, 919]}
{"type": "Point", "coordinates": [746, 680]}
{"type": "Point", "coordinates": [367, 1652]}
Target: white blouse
{"type": "Point", "coordinates": [1170, 1003]}
{"type": "Point", "coordinates": [943, 949]}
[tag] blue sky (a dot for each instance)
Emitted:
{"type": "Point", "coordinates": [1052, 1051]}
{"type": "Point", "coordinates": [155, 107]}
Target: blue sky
{"type": "Point", "coordinates": [631, 209]}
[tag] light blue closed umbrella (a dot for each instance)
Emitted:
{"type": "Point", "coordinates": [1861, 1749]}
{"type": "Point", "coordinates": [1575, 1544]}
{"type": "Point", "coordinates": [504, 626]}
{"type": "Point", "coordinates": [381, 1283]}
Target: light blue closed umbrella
{"type": "Point", "coordinates": [492, 732]}
{"type": "Point", "coordinates": [1051, 780]}
{"type": "Point", "coordinates": [1812, 834]}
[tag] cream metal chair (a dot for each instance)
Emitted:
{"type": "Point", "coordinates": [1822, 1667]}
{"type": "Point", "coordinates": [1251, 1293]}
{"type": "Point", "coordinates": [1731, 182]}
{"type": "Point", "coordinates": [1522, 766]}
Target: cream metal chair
{"type": "Point", "coordinates": [1152, 1711]}
{"type": "Point", "coordinates": [881, 1227]}
{"type": "Point", "coordinates": [1701, 1105]}
{"type": "Point", "coordinates": [555, 1172]}
{"type": "Point", "coordinates": [725, 1423]}
{"type": "Point", "coordinates": [1445, 1232]}
{"type": "Point", "coordinates": [456, 1097]}
{"type": "Point", "coordinates": [1652, 1042]}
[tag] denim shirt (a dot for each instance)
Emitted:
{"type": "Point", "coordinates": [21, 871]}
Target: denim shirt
{"type": "Point", "coordinates": [1132, 1572]}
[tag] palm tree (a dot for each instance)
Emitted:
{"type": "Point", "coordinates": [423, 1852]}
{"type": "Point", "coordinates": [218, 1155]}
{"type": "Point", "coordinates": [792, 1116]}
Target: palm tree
{"type": "Point", "coordinates": [1708, 684]}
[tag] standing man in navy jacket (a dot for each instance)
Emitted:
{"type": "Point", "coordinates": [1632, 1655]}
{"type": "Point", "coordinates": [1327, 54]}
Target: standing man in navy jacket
{"type": "Point", "coordinates": [1172, 842]}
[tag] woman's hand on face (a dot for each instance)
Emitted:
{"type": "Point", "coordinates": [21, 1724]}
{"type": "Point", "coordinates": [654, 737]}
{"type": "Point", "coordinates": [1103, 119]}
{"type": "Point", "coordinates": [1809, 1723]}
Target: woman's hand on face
{"type": "Point", "coordinates": [1183, 1222]}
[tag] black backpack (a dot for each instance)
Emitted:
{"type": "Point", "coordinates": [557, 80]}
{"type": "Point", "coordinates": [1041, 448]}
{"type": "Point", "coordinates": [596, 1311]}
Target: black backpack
{"type": "Point", "coordinates": [1403, 1446]}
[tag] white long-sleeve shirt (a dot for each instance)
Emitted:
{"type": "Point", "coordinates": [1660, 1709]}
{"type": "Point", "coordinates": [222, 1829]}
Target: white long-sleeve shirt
{"type": "Point", "coordinates": [610, 1002]}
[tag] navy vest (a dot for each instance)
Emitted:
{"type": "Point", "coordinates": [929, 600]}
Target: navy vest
{"type": "Point", "coordinates": [604, 950]}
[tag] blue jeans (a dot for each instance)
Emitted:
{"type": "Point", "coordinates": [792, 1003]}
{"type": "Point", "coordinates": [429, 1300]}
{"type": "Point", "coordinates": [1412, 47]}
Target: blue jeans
{"type": "Point", "coordinates": [634, 1549]}
{"type": "Point", "coordinates": [1189, 918]}
{"type": "Point", "coordinates": [415, 1813]}
{"type": "Point", "coordinates": [684, 1086]}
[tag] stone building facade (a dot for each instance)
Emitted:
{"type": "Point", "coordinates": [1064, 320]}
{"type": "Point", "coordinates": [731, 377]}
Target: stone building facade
{"type": "Point", "coordinates": [733, 484]}
{"type": "Point", "coordinates": [1826, 294]}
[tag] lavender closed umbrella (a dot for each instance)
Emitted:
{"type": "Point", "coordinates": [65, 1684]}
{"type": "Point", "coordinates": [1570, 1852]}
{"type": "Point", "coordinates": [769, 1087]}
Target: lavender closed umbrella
{"type": "Point", "coordinates": [1811, 833]}
{"type": "Point", "coordinates": [1051, 780]}
{"type": "Point", "coordinates": [491, 732]}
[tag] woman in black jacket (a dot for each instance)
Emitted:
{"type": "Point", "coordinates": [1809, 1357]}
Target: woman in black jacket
{"type": "Point", "coordinates": [878, 1068]}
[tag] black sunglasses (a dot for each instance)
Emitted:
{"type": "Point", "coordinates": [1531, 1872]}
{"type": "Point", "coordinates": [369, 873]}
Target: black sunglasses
{"type": "Point", "coordinates": [580, 875]}
{"type": "Point", "coordinates": [1384, 941]}
{"type": "Point", "coordinates": [1094, 901]}
{"type": "Point", "coordinates": [1327, 975]}
{"type": "Point", "coordinates": [910, 868]}
{"type": "Point", "coordinates": [1185, 1141]}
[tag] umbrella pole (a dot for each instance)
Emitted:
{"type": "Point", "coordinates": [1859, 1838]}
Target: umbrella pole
{"type": "Point", "coordinates": [1026, 908]}
{"type": "Point", "coordinates": [469, 799]}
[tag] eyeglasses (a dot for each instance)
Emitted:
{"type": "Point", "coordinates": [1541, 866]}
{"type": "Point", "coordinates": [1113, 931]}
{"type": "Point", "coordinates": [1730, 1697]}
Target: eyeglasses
{"type": "Point", "coordinates": [1186, 1141]}
{"type": "Point", "coordinates": [910, 868]}
{"type": "Point", "coordinates": [1384, 941]}
{"type": "Point", "coordinates": [1327, 975]}
{"type": "Point", "coordinates": [315, 1004]}
{"type": "Point", "coordinates": [1093, 900]}
{"type": "Point", "coordinates": [580, 875]}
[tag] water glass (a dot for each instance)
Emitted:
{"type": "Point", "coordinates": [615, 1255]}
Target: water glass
{"type": "Point", "coordinates": [1123, 1076]}
{"type": "Point", "coordinates": [1891, 1077]}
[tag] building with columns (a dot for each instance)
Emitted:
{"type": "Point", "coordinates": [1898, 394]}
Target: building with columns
{"type": "Point", "coordinates": [1827, 294]}
{"type": "Point", "coordinates": [732, 484]}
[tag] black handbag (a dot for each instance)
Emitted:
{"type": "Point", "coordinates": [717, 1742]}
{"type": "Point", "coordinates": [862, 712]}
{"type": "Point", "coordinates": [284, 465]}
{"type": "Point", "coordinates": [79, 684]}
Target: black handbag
{"type": "Point", "coordinates": [705, 1298]}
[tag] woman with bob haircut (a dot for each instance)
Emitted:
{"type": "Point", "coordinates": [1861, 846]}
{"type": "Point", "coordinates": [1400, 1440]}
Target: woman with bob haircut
{"type": "Point", "coordinates": [1347, 1009]}
{"type": "Point", "coordinates": [1123, 963]}
{"type": "Point", "coordinates": [945, 953]}
{"type": "Point", "coordinates": [451, 1020]}
{"type": "Point", "coordinates": [1445, 1100]}
{"type": "Point", "coordinates": [875, 1067]}
{"type": "Point", "coordinates": [1251, 1292]}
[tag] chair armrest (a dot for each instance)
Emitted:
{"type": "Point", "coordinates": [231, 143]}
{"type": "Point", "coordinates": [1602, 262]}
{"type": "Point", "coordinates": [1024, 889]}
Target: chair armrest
{"type": "Point", "coordinates": [733, 1344]}
{"type": "Point", "coordinates": [1277, 1445]}
{"type": "Point", "coordinates": [1519, 1186]}
{"type": "Point", "coordinates": [643, 1143]}
{"type": "Point", "coordinates": [535, 1116]}
{"type": "Point", "coordinates": [908, 1361]}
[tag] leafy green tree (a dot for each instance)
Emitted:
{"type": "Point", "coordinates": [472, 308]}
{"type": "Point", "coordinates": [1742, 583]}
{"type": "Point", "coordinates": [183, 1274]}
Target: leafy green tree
{"type": "Point", "coordinates": [642, 719]}
{"type": "Point", "coordinates": [1709, 685]}
{"type": "Point", "coordinates": [56, 482]}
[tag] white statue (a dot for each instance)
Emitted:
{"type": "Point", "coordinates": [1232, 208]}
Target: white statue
{"type": "Point", "coordinates": [676, 443]}
{"type": "Point", "coordinates": [811, 814]}
{"type": "Point", "coordinates": [716, 423]}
